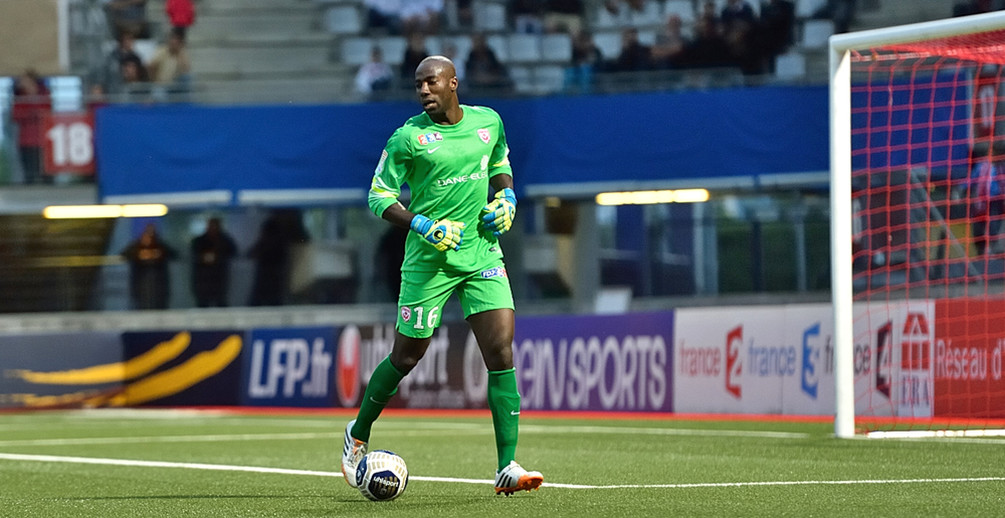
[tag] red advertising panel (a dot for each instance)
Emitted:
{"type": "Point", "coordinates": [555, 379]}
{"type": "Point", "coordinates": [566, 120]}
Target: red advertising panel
{"type": "Point", "coordinates": [970, 343]}
{"type": "Point", "coordinates": [69, 143]}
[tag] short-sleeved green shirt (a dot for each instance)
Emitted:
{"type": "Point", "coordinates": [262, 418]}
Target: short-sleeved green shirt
{"type": "Point", "coordinates": [447, 169]}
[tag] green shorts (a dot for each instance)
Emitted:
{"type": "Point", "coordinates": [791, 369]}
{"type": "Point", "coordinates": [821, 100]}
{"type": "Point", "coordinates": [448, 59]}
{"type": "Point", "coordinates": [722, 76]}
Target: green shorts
{"type": "Point", "coordinates": [423, 295]}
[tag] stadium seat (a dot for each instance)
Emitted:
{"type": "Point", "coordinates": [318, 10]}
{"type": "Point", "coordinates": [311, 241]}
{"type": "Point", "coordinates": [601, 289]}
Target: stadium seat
{"type": "Point", "coordinates": [647, 37]}
{"type": "Point", "coordinates": [606, 20]}
{"type": "Point", "coordinates": [489, 16]}
{"type": "Point", "coordinates": [556, 47]}
{"type": "Point", "coordinates": [549, 79]}
{"type": "Point", "coordinates": [145, 49]}
{"type": "Point", "coordinates": [500, 45]}
{"type": "Point", "coordinates": [609, 43]}
{"type": "Point", "coordinates": [393, 48]}
{"type": "Point", "coordinates": [463, 44]}
{"type": "Point", "coordinates": [522, 79]}
{"type": "Point", "coordinates": [807, 8]}
{"type": "Point", "coordinates": [651, 14]}
{"type": "Point", "coordinates": [356, 51]}
{"type": "Point", "coordinates": [343, 19]}
{"type": "Point", "coordinates": [791, 65]}
{"type": "Point", "coordinates": [682, 8]}
{"type": "Point", "coordinates": [524, 48]}
{"type": "Point", "coordinates": [816, 33]}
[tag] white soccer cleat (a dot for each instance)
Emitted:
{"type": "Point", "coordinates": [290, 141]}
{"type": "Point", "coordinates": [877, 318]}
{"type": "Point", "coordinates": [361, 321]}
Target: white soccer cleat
{"type": "Point", "coordinates": [514, 478]}
{"type": "Point", "coordinates": [353, 451]}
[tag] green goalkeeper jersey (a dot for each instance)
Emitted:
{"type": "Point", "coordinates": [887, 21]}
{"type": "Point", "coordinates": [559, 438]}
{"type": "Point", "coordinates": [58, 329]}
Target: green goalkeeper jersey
{"type": "Point", "coordinates": [447, 168]}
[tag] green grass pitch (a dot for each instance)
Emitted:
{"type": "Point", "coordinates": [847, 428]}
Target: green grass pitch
{"type": "Point", "coordinates": [187, 463]}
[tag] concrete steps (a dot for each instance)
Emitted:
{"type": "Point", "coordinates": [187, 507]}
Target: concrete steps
{"type": "Point", "coordinates": [263, 49]}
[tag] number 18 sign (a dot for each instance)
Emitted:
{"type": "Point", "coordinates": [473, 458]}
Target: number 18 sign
{"type": "Point", "coordinates": [69, 143]}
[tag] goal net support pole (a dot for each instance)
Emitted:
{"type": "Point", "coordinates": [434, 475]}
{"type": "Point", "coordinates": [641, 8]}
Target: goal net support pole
{"type": "Point", "coordinates": [840, 47]}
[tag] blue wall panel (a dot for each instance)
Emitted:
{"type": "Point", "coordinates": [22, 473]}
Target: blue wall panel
{"type": "Point", "coordinates": [624, 138]}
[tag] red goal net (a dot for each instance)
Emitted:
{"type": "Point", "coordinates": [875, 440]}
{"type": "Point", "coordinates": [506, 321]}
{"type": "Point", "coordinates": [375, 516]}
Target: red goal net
{"type": "Point", "coordinates": [928, 233]}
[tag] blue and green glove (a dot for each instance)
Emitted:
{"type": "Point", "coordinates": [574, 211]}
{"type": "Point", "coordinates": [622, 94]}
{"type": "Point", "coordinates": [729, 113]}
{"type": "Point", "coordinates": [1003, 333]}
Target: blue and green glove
{"type": "Point", "coordinates": [498, 214]}
{"type": "Point", "coordinates": [442, 234]}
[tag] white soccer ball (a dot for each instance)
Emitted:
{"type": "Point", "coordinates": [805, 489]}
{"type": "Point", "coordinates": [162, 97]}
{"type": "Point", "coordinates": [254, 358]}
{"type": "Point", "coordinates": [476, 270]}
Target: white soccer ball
{"type": "Point", "coordinates": [381, 476]}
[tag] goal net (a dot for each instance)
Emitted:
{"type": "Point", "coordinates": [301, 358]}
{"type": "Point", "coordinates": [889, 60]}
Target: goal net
{"type": "Point", "coordinates": [918, 228]}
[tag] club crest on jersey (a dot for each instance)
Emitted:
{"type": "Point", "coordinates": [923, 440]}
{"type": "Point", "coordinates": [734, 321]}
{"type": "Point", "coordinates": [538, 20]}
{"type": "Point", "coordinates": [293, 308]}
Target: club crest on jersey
{"type": "Point", "coordinates": [498, 271]}
{"type": "Point", "coordinates": [484, 135]}
{"type": "Point", "coordinates": [406, 313]}
{"type": "Point", "coordinates": [427, 138]}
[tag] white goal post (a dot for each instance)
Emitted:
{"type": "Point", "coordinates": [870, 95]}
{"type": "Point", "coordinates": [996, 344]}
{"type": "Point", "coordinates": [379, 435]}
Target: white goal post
{"type": "Point", "coordinates": [842, 48]}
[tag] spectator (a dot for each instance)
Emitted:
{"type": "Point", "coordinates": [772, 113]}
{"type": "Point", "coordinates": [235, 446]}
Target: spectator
{"type": "Point", "coordinates": [421, 16]}
{"type": "Point", "coordinates": [127, 16]}
{"type": "Point", "coordinates": [125, 51]}
{"type": "Point", "coordinates": [31, 106]}
{"type": "Point", "coordinates": [465, 14]}
{"type": "Point", "coordinates": [271, 253]}
{"type": "Point", "coordinates": [180, 14]}
{"type": "Point", "coordinates": [744, 51]}
{"type": "Point", "coordinates": [987, 200]}
{"type": "Point", "coordinates": [841, 12]}
{"type": "Point", "coordinates": [149, 278]}
{"type": "Point", "coordinates": [775, 28]}
{"type": "Point", "coordinates": [586, 60]}
{"type": "Point", "coordinates": [375, 76]}
{"type": "Point", "coordinates": [970, 7]}
{"type": "Point", "coordinates": [170, 68]}
{"type": "Point", "coordinates": [634, 56]}
{"type": "Point", "coordinates": [133, 84]}
{"type": "Point", "coordinates": [668, 49]}
{"type": "Point", "coordinates": [737, 11]}
{"type": "Point", "coordinates": [483, 68]}
{"type": "Point", "coordinates": [564, 16]}
{"type": "Point", "coordinates": [384, 15]}
{"type": "Point", "coordinates": [390, 257]}
{"type": "Point", "coordinates": [622, 10]}
{"type": "Point", "coordinates": [415, 51]}
{"type": "Point", "coordinates": [212, 252]}
{"type": "Point", "coordinates": [708, 11]}
{"type": "Point", "coordinates": [707, 49]}
{"type": "Point", "coordinates": [527, 15]}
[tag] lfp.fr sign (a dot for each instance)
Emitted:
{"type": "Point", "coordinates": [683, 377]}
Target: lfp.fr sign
{"type": "Point", "coordinates": [289, 367]}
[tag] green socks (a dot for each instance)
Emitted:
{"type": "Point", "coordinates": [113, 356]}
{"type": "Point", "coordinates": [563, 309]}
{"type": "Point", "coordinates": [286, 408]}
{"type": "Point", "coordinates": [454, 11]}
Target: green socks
{"type": "Point", "coordinates": [504, 403]}
{"type": "Point", "coordinates": [503, 400]}
{"type": "Point", "coordinates": [382, 386]}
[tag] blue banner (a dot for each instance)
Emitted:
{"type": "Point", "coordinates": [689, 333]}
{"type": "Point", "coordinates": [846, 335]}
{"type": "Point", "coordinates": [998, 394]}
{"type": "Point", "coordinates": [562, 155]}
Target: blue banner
{"type": "Point", "coordinates": [59, 369]}
{"type": "Point", "coordinates": [612, 139]}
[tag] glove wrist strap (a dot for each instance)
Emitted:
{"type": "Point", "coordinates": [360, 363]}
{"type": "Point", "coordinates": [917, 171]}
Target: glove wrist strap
{"type": "Point", "coordinates": [420, 224]}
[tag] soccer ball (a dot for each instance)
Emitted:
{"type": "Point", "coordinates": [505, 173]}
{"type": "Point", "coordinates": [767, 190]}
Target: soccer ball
{"type": "Point", "coordinates": [381, 476]}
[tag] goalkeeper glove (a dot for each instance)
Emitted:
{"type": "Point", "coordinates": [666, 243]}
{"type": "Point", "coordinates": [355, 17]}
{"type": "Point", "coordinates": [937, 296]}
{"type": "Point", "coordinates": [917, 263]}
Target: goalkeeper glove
{"type": "Point", "coordinates": [498, 214]}
{"type": "Point", "coordinates": [442, 234]}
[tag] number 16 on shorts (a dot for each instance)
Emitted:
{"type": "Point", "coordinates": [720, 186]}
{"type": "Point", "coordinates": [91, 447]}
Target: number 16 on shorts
{"type": "Point", "coordinates": [418, 321]}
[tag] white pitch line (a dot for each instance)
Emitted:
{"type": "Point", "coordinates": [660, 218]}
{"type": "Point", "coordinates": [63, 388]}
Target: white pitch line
{"type": "Point", "coordinates": [636, 430]}
{"type": "Point", "coordinates": [301, 472]}
{"type": "Point", "coordinates": [79, 441]}
{"type": "Point", "coordinates": [171, 438]}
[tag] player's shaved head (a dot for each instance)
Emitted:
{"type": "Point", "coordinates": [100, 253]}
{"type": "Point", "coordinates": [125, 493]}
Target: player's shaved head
{"type": "Point", "coordinates": [437, 65]}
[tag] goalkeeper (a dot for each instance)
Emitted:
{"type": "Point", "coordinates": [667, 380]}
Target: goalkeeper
{"type": "Point", "coordinates": [451, 156]}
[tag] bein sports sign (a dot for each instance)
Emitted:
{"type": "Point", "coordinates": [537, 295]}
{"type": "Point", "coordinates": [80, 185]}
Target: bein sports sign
{"type": "Point", "coordinates": [607, 363]}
